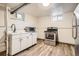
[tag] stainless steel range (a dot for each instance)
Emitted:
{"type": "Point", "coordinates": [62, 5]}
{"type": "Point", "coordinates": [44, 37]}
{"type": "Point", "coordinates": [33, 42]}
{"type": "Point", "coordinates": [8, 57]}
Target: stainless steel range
{"type": "Point", "coordinates": [51, 36]}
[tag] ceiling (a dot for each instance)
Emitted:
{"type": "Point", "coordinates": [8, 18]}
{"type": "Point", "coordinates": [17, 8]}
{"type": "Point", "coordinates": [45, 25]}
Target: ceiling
{"type": "Point", "coordinates": [14, 5]}
{"type": "Point", "coordinates": [37, 9]}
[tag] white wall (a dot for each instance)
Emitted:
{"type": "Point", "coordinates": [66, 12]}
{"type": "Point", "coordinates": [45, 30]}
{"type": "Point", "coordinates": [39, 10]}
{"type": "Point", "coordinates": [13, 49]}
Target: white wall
{"type": "Point", "coordinates": [20, 25]}
{"type": "Point", "coordinates": [2, 30]}
{"type": "Point", "coordinates": [64, 27]}
{"type": "Point", "coordinates": [1, 17]}
{"type": "Point", "coordinates": [43, 23]}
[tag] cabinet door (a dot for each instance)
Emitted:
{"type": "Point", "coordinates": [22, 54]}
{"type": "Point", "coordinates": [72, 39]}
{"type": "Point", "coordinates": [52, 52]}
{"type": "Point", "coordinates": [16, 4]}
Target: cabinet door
{"type": "Point", "coordinates": [30, 39]}
{"type": "Point", "coordinates": [34, 38]}
{"type": "Point", "coordinates": [24, 41]}
{"type": "Point", "coordinates": [15, 47]}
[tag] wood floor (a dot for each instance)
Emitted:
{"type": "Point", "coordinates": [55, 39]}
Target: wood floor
{"type": "Point", "coordinates": [3, 53]}
{"type": "Point", "coordinates": [41, 49]}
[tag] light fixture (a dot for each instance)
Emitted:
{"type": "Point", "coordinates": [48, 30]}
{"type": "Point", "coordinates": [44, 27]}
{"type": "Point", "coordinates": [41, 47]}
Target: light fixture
{"type": "Point", "coordinates": [45, 4]}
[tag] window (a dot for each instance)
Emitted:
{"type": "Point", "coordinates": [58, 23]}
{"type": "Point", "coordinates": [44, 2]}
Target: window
{"type": "Point", "coordinates": [20, 16]}
{"type": "Point", "coordinates": [60, 17]}
{"type": "Point", "coordinates": [57, 18]}
{"type": "Point", "coordinates": [54, 18]}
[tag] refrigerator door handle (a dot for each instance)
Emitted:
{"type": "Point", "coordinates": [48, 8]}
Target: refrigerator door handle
{"type": "Point", "coordinates": [74, 28]}
{"type": "Point", "coordinates": [74, 32]}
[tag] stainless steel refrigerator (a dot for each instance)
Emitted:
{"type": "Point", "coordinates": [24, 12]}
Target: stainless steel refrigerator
{"type": "Point", "coordinates": [75, 29]}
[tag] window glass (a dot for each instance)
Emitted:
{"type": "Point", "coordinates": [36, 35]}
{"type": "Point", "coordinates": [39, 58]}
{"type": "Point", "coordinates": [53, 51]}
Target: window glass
{"type": "Point", "coordinates": [20, 16]}
{"type": "Point", "coordinates": [57, 18]}
{"type": "Point", "coordinates": [60, 17]}
{"type": "Point", "coordinates": [54, 18]}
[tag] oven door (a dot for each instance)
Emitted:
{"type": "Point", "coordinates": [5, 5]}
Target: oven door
{"type": "Point", "coordinates": [49, 35]}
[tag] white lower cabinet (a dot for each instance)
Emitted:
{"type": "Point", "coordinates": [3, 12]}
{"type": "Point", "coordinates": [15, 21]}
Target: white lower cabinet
{"type": "Point", "coordinates": [23, 44]}
{"type": "Point", "coordinates": [19, 42]}
{"type": "Point", "coordinates": [24, 41]}
{"type": "Point", "coordinates": [34, 38]}
{"type": "Point", "coordinates": [15, 46]}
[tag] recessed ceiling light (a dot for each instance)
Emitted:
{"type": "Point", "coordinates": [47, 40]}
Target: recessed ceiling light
{"type": "Point", "coordinates": [45, 4]}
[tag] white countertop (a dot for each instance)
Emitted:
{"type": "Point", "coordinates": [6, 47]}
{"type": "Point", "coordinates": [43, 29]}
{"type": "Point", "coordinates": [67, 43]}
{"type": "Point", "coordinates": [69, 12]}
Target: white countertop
{"type": "Point", "coordinates": [19, 32]}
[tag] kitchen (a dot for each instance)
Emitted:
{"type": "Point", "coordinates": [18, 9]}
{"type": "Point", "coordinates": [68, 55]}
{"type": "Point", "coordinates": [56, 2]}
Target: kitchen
{"type": "Point", "coordinates": [36, 29]}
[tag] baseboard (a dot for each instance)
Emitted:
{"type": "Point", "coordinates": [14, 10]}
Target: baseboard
{"type": "Point", "coordinates": [58, 42]}
{"type": "Point", "coordinates": [67, 43]}
{"type": "Point", "coordinates": [40, 39]}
